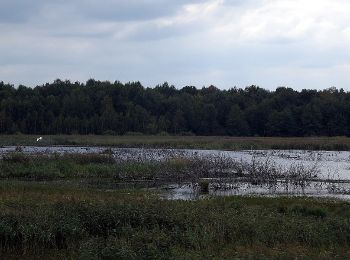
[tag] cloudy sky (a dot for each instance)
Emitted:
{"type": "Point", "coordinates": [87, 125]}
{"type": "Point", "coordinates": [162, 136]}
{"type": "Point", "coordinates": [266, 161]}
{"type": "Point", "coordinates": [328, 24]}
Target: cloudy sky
{"type": "Point", "coordinates": [270, 43]}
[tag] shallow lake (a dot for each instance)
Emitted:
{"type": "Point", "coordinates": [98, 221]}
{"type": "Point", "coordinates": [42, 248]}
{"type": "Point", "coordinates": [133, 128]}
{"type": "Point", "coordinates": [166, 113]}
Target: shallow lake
{"type": "Point", "coordinates": [331, 164]}
{"type": "Point", "coordinates": [333, 167]}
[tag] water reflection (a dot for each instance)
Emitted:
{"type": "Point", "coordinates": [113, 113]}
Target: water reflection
{"type": "Point", "coordinates": [315, 189]}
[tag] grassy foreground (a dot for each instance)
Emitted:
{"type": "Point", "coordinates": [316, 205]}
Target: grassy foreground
{"type": "Point", "coordinates": [55, 222]}
{"type": "Point", "coordinates": [43, 218]}
{"type": "Point", "coordinates": [195, 142]}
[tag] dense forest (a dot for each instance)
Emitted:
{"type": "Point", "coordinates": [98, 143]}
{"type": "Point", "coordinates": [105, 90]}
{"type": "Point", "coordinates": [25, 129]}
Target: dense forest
{"type": "Point", "coordinates": [102, 107]}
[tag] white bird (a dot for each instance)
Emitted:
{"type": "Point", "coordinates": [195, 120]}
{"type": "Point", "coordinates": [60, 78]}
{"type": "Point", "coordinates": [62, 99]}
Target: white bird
{"type": "Point", "coordinates": [38, 139]}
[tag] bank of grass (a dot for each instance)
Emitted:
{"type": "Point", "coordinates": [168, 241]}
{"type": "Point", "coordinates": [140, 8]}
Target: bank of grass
{"type": "Point", "coordinates": [40, 167]}
{"type": "Point", "coordinates": [51, 221]}
{"type": "Point", "coordinates": [186, 142]}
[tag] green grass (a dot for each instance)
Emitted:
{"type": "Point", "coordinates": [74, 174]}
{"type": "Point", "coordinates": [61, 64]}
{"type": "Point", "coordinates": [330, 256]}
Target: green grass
{"type": "Point", "coordinates": [56, 167]}
{"type": "Point", "coordinates": [191, 142]}
{"type": "Point", "coordinates": [48, 221]}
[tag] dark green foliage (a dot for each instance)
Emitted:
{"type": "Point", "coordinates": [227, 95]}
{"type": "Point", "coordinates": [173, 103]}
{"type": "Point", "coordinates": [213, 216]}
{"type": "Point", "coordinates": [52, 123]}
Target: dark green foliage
{"type": "Point", "coordinates": [236, 123]}
{"type": "Point", "coordinates": [96, 107]}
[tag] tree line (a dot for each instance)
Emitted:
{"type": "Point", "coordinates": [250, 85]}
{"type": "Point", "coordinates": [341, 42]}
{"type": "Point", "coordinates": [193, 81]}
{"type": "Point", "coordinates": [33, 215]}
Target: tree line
{"type": "Point", "coordinates": [102, 107]}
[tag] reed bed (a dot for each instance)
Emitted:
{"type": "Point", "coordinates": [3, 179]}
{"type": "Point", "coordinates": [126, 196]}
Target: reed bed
{"type": "Point", "coordinates": [55, 222]}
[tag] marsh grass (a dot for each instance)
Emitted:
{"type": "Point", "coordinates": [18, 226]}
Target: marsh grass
{"type": "Point", "coordinates": [50, 167]}
{"type": "Point", "coordinates": [71, 220]}
{"type": "Point", "coordinates": [174, 168]}
{"type": "Point", "coordinates": [57, 221]}
{"type": "Point", "coordinates": [189, 142]}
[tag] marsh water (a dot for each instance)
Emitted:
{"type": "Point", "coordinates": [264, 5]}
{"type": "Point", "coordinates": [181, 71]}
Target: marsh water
{"type": "Point", "coordinates": [333, 170]}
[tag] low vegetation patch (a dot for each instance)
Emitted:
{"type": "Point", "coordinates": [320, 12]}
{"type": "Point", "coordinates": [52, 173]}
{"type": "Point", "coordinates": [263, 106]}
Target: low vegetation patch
{"type": "Point", "coordinates": [185, 142]}
{"type": "Point", "coordinates": [57, 221]}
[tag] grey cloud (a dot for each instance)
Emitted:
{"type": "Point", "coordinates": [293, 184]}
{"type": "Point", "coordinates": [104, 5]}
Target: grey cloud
{"type": "Point", "coordinates": [154, 33]}
{"type": "Point", "coordinates": [115, 10]}
{"type": "Point", "coordinates": [79, 39]}
{"type": "Point", "coordinates": [17, 11]}
{"type": "Point", "coordinates": [128, 10]}
{"type": "Point", "coordinates": [240, 2]}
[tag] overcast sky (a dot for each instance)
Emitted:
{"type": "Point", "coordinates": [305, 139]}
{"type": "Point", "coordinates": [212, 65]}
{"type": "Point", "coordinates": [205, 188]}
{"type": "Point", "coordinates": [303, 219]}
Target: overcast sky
{"type": "Point", "coordinates": [227, 43]}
